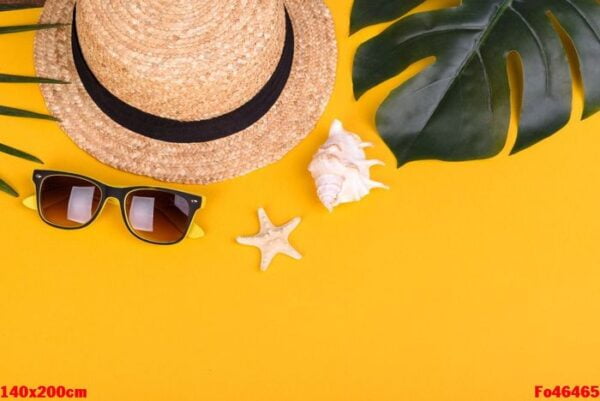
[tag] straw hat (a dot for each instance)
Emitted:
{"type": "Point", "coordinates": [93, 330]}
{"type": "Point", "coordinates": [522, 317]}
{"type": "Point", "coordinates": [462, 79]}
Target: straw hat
{"type": "Point", "coordinates": [189, 91]}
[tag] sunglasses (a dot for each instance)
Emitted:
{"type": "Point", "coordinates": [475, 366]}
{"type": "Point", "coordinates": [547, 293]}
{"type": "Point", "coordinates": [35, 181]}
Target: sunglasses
{"type": "Point", "coordinates": [155, 215]}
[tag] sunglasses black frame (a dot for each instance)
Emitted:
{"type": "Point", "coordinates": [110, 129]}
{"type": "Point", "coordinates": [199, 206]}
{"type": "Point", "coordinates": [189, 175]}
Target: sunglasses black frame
{"type": "Point", "coordinates": [195, 202]}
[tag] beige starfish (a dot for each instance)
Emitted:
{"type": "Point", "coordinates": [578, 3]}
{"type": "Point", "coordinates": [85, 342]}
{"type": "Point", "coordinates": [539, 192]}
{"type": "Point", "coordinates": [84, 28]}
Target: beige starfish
{"type": "Point", "coordinates": [272, 240]}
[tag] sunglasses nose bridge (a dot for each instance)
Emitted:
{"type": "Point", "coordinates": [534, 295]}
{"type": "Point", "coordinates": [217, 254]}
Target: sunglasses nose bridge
{"type": "Point", "coordinates": [114, 195]}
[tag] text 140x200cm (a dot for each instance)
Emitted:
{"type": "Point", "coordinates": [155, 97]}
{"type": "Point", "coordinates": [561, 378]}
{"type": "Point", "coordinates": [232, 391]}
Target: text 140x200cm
{"type": "Point", "coordinates": [42, 392]}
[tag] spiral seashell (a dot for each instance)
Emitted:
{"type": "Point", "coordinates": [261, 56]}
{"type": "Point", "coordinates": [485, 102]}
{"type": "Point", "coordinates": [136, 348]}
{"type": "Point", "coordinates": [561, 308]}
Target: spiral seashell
{"type": "Point", "coordinates": [329, 186]}
{"type": "Point", "coordinates": [341, 169]}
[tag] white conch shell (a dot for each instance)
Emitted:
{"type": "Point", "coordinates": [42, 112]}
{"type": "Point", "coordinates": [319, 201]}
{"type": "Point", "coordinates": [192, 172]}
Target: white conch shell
{"type": "Point", "coordinates": [341, 170]}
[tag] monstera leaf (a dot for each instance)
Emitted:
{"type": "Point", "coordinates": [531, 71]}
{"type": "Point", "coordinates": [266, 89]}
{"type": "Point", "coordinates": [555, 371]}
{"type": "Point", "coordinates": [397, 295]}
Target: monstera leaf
{"type": "Point", "coordinates": [369, 12]}
{"type": "Point", "coordinates": [459, 107]}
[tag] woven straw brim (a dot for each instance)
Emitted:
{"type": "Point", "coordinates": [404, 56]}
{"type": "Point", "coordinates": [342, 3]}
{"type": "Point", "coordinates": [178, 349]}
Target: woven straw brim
{"type": "Point", "coordinates": [292, 117]}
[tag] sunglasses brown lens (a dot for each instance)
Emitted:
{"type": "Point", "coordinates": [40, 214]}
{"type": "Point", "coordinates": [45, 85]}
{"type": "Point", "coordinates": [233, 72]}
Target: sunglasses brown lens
{"type": "Point", "coordinates": [69, 202]}
{"type": "Point", "coordinates": [158, 216]}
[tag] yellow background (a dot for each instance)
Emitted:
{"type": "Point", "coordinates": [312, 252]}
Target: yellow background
{"type": "Point", "coordinates": [466, 281]}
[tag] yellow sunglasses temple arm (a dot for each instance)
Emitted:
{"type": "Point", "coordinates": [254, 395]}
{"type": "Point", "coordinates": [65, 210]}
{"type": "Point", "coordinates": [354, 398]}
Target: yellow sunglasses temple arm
{"type": "Point", "coordinates": [30, 202]}
{"type": "Point", "coordinates": [195, 231]}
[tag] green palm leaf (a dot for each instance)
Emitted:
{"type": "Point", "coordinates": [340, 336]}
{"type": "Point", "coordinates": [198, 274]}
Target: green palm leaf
{"type": "Point", "coordinates": [25, 28]}
{"type": "Point", "coordinates": [9, 111]}
{"type": "Point", "coordinates": [20, 79]}
{"type": "Point", "coordinates": [18, 153]}
{"type": "Point", "coordinates": [11, 7]}
{"type": "Point", "coordinates": [4, 187]}
{"type": "Point", "coordinates": [12, 112]}
{"type": "Point", "coordinates": [459, 107]}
